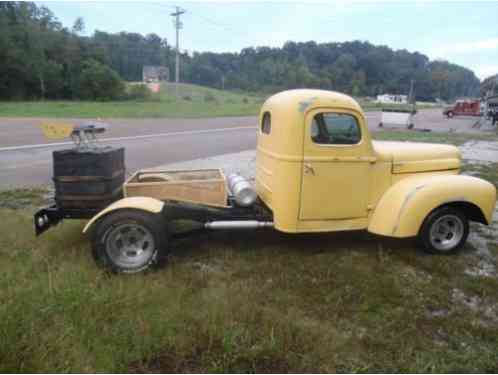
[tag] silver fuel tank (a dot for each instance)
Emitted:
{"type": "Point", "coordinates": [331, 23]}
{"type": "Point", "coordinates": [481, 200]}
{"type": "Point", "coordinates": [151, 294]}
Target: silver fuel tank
{"type": "Point", "coordinates": [242, 190]}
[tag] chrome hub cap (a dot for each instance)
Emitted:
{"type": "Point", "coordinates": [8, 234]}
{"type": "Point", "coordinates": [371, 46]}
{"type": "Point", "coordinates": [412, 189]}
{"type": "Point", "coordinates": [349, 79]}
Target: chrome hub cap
{"type": "Point", "coordinates": [130, 245]}
{"type": "Point", "coordinates": [446, 232]}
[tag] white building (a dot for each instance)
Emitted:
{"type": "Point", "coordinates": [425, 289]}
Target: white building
{"type": "Point", "coordinates": [390, 98]}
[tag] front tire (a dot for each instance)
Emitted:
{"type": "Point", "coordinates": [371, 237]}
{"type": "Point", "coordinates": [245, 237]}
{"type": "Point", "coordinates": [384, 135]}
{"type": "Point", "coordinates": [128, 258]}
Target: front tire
{"type": "Point", "coordinates": [450, 114]}
{"type": "Point", "coordinates": [129, 241]}
{"type": "Point", "coordinates": [444, 231]}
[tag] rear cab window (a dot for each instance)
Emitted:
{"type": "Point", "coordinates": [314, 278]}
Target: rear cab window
{"type": "Point", "coordinates": [330, 128]}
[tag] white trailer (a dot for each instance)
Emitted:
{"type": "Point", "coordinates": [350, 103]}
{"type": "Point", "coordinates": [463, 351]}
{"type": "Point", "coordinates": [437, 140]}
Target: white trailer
{"type": "Point", "coordinates": [398, 117]}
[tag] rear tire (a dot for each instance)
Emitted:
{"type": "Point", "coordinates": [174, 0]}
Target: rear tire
{"type": "Point", "coordinates": [450, 114]}
{"type": "Point", "coordinates": [444, 231]}
{"type": "Point", "coordinates": [129, 241]}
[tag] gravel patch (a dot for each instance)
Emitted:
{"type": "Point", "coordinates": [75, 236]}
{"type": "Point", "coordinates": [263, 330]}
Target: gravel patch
{"type": "Point", "coordinates": [243, 163]}
{"type": "Point", "coordinates": [480, 151]}
{"type": "Point", "coordinates": [487, 312]}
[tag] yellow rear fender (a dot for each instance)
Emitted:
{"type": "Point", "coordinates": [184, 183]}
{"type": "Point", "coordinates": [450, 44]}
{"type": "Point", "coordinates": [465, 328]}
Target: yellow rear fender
{"type": "Point", "coordinates": [140, 203]}
{"type": "Point", "coordinates": [403, 208]}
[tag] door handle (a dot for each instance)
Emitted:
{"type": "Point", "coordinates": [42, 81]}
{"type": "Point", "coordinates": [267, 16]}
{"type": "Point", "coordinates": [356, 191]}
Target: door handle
{"type": "Point", "coordinates": [308, 169]}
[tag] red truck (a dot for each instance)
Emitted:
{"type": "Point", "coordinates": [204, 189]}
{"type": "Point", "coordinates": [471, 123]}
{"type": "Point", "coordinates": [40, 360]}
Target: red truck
{"type": "Point", "coordinates": [463, 107]}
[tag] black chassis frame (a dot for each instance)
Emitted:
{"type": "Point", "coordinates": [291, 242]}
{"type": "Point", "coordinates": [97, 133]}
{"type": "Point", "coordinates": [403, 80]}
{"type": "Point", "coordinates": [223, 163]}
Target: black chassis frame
{"type": "Point", "coordinates": [172, 210]}
{"type": "Point", "coordinates": [53, 215]}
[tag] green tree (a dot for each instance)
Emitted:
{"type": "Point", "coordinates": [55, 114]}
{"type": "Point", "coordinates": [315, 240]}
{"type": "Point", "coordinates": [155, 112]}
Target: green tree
{"type": "Point", "coordinates": [78, 26]}
{"type": "Point", "coordinates": [99, 82]}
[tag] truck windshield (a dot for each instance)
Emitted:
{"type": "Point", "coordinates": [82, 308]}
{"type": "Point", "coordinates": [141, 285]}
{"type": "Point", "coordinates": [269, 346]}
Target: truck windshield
{"type": "Point", "coordinates": [335, 129]}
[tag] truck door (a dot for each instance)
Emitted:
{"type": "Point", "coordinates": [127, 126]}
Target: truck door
{"type": "Point", "coordinates": [337, 157]}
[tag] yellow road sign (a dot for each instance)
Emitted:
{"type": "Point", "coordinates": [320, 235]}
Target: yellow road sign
{"type": "Point", "coordinates": [57, 130]}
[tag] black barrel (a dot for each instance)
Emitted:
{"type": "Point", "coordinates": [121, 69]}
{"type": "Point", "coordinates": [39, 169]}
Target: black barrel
{"type": "Point", "coordinates": [88, 178]}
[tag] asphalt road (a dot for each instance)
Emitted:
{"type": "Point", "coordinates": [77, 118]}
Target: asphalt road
{"type": "Point", "coordinates": [26, 156]}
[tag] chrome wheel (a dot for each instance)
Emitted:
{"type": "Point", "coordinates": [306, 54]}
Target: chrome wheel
{"type": "Point", "coordinates": [130, 245]}
{"type": "Point", "coordinates": [447, 232]}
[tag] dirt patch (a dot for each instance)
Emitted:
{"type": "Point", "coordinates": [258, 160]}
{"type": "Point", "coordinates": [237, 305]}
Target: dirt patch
{"type": "Point", "coordinates": [204, 361]}
{"type": "Point", "coordinates": [168, 363]}
{"type": "Point", "coordinates": [480, 239]}
{"type": "Point", "coordinates": [480, 160]}
{"type": "Point", "coordinates": [23, 198]}
{"type": "Point", "coordinates": [207, 268]}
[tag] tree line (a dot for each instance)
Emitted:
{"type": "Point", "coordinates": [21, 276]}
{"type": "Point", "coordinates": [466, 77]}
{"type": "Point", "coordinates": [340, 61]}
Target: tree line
{"type": "Point", "coordinates": [358, 68]}
{"type": "Point", "coordinates": [43, 59]}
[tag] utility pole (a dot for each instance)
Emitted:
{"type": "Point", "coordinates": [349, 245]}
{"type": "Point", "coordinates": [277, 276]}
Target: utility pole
{"type": "Point", "coordinates": [178, 25]}
{"type": "Point", "coordinates": [411, 98]}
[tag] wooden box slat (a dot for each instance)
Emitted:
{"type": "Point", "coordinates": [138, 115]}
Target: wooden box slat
{"type": "Point", "coordinates": [207, 186]}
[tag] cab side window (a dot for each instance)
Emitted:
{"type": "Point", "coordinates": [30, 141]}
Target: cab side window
{"type": "Point", "coordinates": [335, 129]}
{"type": "Point", "coordinates": [266, 123]}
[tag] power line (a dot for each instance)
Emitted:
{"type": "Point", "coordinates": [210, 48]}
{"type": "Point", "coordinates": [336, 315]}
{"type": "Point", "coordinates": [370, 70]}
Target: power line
{"type": "Point", "coordinates": [208, 20]}
{"type": "Point", "coordinates": [217, 24]}
{"type": "Point", "coordinates": [161, 7]}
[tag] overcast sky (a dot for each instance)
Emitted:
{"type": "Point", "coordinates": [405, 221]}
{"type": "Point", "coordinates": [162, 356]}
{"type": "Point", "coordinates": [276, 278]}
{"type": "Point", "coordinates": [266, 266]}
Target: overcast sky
{"type": "Point", "coordinates": [465, 33]}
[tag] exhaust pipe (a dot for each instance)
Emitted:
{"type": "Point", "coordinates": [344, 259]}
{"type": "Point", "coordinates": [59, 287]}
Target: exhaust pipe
{"type": "Point", "coordinates": [239, 224]}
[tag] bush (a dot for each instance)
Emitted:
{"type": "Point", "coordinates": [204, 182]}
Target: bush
{"type": "Point", "coordinates": [245, 100]}
{"type": "Point", "coordinates": [99, 82]}
{"type": "Point", "coordinates": [139, 92]}
{"type": "Point", "coordinates": [187, 97]}
{"type": "Point", "coordinates": [209, 97]}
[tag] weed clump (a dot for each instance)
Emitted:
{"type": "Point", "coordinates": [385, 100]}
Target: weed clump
{"type": "Point", "coordinates": [139, 92]}
{"type": "Point", "coordinates": [209, 97]}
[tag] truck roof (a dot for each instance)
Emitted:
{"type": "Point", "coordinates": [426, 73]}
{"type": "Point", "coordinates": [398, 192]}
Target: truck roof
{"type": "Point", "coordinates": [305, 99]}
{"type": "Point", "coordinates": [287, 111]}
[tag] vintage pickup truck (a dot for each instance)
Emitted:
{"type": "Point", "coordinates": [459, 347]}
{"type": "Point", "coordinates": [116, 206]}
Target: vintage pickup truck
{"type": "Point", "coordinates": [317, 170]}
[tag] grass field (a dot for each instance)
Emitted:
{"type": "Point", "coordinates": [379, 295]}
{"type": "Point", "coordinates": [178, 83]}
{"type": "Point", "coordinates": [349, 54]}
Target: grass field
{"type": "Point", "coordinates": [247, 302]}
{"type": "Point", "coordinates": [192, 101]}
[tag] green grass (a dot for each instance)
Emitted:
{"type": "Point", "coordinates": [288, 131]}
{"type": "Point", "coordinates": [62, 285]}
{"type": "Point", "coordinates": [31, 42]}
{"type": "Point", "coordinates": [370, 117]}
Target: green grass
{"type": "Point", "coordinates": [192, 101]}
{"type": "Point", "coordinates": [242, 302]}
{"type": "Point", "coordinates": [374, 106]}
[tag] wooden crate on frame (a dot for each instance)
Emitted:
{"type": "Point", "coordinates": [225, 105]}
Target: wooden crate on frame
{"type": "Point", "coordinates": [207, 186]}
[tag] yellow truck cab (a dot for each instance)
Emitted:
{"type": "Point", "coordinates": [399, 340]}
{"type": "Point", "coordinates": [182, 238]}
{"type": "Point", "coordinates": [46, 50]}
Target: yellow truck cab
{"type": "Point", "coordinates": [317, 170]}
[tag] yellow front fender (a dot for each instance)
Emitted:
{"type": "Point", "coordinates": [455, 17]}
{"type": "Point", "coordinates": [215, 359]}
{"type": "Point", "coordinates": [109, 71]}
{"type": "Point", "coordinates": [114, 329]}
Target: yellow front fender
{"type": "Point", "coordinates": [139, 203]}
{"type": "Point", "coordinates": [403, 208]}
